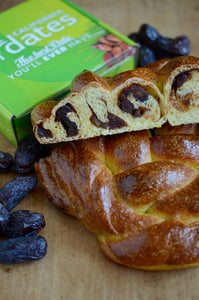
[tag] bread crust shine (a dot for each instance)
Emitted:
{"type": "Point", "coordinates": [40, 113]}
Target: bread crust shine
{"type": "Point", "coordinates": [139, 193]}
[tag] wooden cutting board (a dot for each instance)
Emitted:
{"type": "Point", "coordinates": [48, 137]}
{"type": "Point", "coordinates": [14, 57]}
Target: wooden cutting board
{"type": "Point", "coordinates": [74, 267]}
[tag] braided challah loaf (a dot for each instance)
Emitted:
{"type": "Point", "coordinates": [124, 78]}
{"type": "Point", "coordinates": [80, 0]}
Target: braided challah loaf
{"type": "Point", "coordinates": [143, 98]}
{"type": "Point", "coordinates": [138, 193]}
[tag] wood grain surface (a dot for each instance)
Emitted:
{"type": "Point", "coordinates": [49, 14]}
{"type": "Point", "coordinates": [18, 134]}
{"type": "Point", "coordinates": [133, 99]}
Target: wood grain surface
{"type": "Point", "coordinates": [74, 267]}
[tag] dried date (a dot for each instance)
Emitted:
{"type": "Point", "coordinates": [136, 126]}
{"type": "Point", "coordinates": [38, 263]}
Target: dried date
{"type": "Point", "coordinates": [16, 190]}
{"type": "Point", "coordinates": [23, 223]}
{"type": "Point", "coordinates": [27, 154]}
{"type": "Point", "coordinates": [148, 34]}
{"type": "Point", "coordinates": [22, 249]}
{"type": "Point", "coordinates": [180, 46]}
{"type": "Point", "coordinates": [155, 46]}
{"type": "Point", "coordinates": [176, 47]}
{"type": "Point", "coordinates": [6, 161]}
{"type": "Point", "coordinates": [146, 56]}
{"type": "Point", "coordinates": [22, 226]}
{"type": "Point", "coordinates": [135, 37]}
{"type": "Point", "coordinates": [4, 216]}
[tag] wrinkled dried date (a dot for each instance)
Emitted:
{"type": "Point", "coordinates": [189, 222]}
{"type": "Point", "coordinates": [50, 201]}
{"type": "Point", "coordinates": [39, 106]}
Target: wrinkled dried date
{"type": "Point", "coordinates": [155, 46]}
{"type": "Point", "coordinates": [181, 45]}
{"type": "Point", "coordinates": [135, 37]}
{"type": "Point", "coordinates": [148, 34]}
{"type": "Point", "coordinates": [177, 47]}
{"type": "Point", "coordinates": [4, 216]}
{"type": "Point", "coordinates": [27, 154]}
{"type": "Point", "coordinates": [17, 189]}
{"type": "Point", "coordinates": [164, 43]}
{"type": "Point", "coordinates": [23, 223]}
{"type": "Point", "coordinates": [22, 249]}
{"type": "Point", "coordinates": [22, 226]}
{"type": "Point", "coordinates": [146, 56]}
{"type": "Point", "coordinates": [6, 161]}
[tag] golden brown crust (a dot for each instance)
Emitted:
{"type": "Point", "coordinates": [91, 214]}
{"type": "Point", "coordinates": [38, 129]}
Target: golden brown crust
{"type": "Point", "coordinates": [135, 148]}
{"type": "Point", "coordinates": [163, 246]}
{"type": "Point", "coordinates": [186, 148]}
{"type": "Point", "coordinates": [157, 65]}
{"type": "Point", "coordinates": [85, 79]}
{"type": "Point", "coordinates": [42, 111]}
{"type": "Point", "coordinates": [182, 208]}
{"type": "Point", "coordinates": [94, 204]}
{"type": "Point", "coordinates": [138, 193]}
{"type": "Point", "coordinates": [165, 68]}
{"type": "Point", "coordinates": [143, 185]}
{"type": "Point", "coordinates": [181, 62]}
{"type": "Point", "coordinates": [168, 129]}
{"type": "Point", "coordinates": [141, 74]}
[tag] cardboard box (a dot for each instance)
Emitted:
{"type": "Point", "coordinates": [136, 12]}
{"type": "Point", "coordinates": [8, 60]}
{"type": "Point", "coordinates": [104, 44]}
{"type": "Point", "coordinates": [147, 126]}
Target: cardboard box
{"type": "Point", "coordinates": [43, 46]}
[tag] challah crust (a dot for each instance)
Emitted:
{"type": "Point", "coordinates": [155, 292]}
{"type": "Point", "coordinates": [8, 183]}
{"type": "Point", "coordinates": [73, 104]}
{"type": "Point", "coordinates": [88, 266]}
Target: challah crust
{"type": "Point", "coordinates": [138, 193]}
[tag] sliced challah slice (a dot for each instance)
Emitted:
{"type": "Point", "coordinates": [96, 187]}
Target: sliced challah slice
{"type": "Point", "coordinates": [144, 98]}
{"type": "Point", "coordinates": [138, 193]}
{"type": "Point", "coordinates": [97, 106]}
{"type": "Point", "coordinates": [179, 83]}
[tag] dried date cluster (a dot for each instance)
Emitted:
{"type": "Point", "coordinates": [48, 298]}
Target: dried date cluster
{"type": "Point", "coordinates": [154, 46]}
{"type": "Point", "coordinates": [22, 226]}
{"type": "Point", "coordinates": [25, 156]}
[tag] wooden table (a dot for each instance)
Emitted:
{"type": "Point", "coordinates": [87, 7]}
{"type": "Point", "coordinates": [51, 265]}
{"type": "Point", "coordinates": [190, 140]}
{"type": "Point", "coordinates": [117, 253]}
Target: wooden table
{"type": "Point", "coordinates": [74, 267]}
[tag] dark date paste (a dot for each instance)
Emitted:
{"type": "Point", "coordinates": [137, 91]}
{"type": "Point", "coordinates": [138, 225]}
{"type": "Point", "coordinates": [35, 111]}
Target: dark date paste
{"type": "Point", "coordinates": [61, 116]}
{"type": "Point", "coordinates": [141, 96]}
{"type": "Point", "coordinates": [113, 121]}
